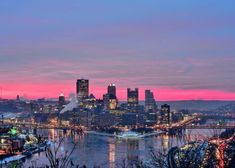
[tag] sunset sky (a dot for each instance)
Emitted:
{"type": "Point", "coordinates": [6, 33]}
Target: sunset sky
{"type": "Point", "coordinates": [182, 50]}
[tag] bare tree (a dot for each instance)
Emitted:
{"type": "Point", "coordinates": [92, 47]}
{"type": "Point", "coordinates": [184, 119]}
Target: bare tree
{"type": "Point", "coordinates": [130, 164]}
{"type": "Point", "coordinates": [60, 161]}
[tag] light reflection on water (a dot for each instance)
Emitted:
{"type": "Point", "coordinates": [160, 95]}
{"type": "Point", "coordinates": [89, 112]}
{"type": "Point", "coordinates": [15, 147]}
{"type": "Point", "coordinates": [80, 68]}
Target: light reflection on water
{"type": "Point", "coordinates": [106, 151]}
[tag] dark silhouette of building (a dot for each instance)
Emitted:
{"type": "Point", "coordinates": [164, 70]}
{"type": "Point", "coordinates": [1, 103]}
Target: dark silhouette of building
{"type": "Point", "coordinates": [150, 103]}
{"type": "Point", "coordinates": [112, 89]}
{"type": "Point", "coordinates": [105, 120]}
{"type": "Point", "coordinates": [82, 88]}
{"type": "Point", "coordinates": [106, 101]}
{"type": "Point", "coordinates": [165, 114]}
{"type": "Point", "coordinates": [61, 102]}
{"type": "Point", "coordinates": [129, 119]}
{"type": "Point", "coordinates": [151, 118]}
{"type": "Point", "coordinates": [132, 99]}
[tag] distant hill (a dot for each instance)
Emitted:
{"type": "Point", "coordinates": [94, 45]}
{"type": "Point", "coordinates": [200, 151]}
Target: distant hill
{"type": "Point", "coordinates": [200, 105]}
{"type": "Point", "coordinates": [8, 107]}
{"type": "Point", "coordinates": [229, 108]}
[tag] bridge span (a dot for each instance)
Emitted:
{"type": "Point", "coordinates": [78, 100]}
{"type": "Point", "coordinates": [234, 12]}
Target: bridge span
{"type": "Point", "coordinates": [210, 127]}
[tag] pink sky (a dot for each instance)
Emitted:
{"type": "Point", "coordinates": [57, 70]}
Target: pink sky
{"type": "Point", "coordinates": [34, 91]}
{"type": "Point", "coordinates": [174, 49]}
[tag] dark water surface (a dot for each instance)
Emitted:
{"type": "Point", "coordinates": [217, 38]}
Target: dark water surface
{"type": "Point", "coordinates": [107, 151]}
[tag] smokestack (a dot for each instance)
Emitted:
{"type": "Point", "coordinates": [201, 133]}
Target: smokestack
{"type": "Point", "coordinates": [70, 106]}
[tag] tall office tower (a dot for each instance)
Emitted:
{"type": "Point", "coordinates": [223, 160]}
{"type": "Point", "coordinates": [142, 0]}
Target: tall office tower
{"type": "Point", "coordinates": [112, 89]}
{"type": "Point", "coordinates": [106, 101]}
{"type": "Point", "coordinates": [150, 103]}
{"type": "Point", "coordinates": [132, 99]}
{"type": "Point", "coordinates": [61, 102]}
{"type": "Point", "coordinates": [165, 114]}
{"type": "Point", "coordinates": [82, 88]}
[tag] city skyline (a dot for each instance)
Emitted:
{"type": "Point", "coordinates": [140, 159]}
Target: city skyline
{"type": "Point", "coordinates": [122, 94]}
{"type": "Point", "coordinates": [180, 51]}
{"type": "Point", "coordinates": [109, 84]}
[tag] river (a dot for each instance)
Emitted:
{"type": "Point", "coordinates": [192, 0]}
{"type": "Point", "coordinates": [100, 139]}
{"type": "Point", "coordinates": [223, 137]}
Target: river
{"type": "Point", "coordinates": [107, 151]}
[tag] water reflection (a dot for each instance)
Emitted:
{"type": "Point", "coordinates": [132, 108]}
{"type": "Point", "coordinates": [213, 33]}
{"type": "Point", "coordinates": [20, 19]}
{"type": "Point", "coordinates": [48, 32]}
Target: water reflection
{"type": "Point", "coordinates": [132, 150]}
{"type": "Point", "coordinates": [111, 155]}
{"type": "Point", "coordinates": [165, 143]}
{"type": "Point", "coordinates": [107, 152]}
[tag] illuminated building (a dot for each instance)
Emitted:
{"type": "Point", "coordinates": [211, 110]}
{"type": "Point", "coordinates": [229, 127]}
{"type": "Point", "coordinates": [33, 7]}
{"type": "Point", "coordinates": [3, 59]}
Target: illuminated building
{"type": "Point", "coordinates": [112, 89]}
{"type": "Point", "coordinates": [118, 114]}
{"type": "Point", "coordinates": [112, 102]}
{"type": "Point", "coordinates": [110, 99]}
{"type": "Point", "coordinates": [132, 99]}
{"type": "Point", "coordinates": [5, 141]}
{"type": "Point", "coordinates": [165, 114]}
{"type": "Point", "coordinates": [88, 103]}
{"type": "Point", "coordinates": [82, 88]}
{"type": "Point", "coordinates": [150, 103]}
{"type": "Point", "coordinates": [9, 142]}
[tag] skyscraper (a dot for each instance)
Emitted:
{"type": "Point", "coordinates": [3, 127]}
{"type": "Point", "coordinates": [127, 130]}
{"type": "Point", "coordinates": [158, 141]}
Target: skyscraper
{"type": "Point", "coordinates": [110, 99]}
{"type": "Point", "coordinates": [112, 89]}
{"type": "Point", "coordinates": [106, 101]}
{"type": "Point", "coordinates": [150, 103]}
{"type": "Point", "coordinates": [165, 114]}
{"type": "Point", "coordinates": [61, 102]}
{"type": "Point", "coordinates": [133, 99]}
{"type": "Point", "coordinates": [82, 88]}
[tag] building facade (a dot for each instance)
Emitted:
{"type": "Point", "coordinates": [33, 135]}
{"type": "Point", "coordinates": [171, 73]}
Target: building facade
{"type": "Point", "coordinates": [132, 99]}
{"type": "Point", "coordinates": [165, 114]}
{"type": "Point", "coordinates": [61, 101]}
{"type": "Point", "coordinates": [82, 88]}
{"type": "Point", "coordinates": [150, 103]}
{"type": "Point", "coordinates": [112, 89]}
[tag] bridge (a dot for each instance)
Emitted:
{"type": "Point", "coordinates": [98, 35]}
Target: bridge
{"type": "Point", "coordinates": [187, 124]}
{"type": "Point", "coordinates": [217, 117]}
{"type": "Point", "coordinates": [45, 126]}
{"type": "Point", "coordinates": [210, 126]}
{"type": "Point", "coordinates": [184, 124]}
{"type": "Point", "coordinates": [177, 125]}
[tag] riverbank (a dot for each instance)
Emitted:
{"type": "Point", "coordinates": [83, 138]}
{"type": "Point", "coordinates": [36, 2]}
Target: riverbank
{"type": "Point", "coordinates": [26, 154]}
